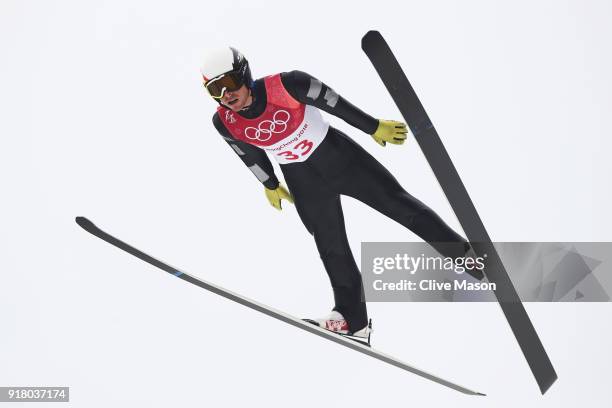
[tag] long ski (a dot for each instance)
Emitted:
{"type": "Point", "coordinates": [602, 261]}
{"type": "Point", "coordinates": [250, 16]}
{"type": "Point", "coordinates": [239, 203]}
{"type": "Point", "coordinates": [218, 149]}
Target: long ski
{"type": "Point", "coordinates": [90, 227]}
{"type": "Point", "coordinates": [394, 79]}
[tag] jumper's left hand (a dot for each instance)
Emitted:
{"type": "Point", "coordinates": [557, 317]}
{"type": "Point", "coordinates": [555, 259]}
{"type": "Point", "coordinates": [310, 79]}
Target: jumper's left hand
{"type": "Point", "coordinates": [390, 131]}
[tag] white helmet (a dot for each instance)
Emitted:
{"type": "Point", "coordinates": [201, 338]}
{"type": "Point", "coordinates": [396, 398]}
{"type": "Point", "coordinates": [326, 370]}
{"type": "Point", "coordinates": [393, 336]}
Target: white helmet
{"type": "Point", "coordinates": [225, 69]}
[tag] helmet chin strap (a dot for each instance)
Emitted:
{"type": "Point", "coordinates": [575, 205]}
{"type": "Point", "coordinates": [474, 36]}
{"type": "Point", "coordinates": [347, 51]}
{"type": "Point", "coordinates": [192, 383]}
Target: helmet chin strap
{"type": "Point", "coordinates": [252, 99]}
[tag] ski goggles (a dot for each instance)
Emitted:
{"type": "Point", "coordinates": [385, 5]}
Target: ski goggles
{"type": "Point", "coordinates": [219, 85]}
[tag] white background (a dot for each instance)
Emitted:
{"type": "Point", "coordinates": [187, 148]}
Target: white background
{"type": "Point", "coordinates": [103, 115]}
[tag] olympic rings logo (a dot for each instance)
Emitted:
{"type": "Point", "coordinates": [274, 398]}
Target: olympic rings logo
{"type": "Point", "coordinates": [266, 128]}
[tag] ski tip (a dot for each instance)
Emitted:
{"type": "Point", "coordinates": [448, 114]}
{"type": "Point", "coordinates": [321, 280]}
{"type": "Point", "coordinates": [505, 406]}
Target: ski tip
{"type": "Point", "coordinates": [480, 394]}
{"type": "Point", "coordinates": [85, 223]}
{"type": "Point", "coordinates": [369, 36]}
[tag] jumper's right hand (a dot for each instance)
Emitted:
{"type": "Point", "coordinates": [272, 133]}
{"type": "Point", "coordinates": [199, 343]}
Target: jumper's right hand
{"type": "Point", "coordinates": [277, 195]}
{"type": "Point", "coordinates": [390, 131]}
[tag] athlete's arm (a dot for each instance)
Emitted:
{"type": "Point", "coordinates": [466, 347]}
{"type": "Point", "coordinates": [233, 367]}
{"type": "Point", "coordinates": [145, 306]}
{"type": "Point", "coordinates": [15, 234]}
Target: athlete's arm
{"type": "Point", "coordinates": [253, 157]}
{"type": "Point", "coordinates": [310, 91]}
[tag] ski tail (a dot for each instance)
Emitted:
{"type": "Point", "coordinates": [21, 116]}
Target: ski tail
{"type": "Point", "coordinates": [408, 103]}
{"type": "Point", "coordinates": [90, 227]}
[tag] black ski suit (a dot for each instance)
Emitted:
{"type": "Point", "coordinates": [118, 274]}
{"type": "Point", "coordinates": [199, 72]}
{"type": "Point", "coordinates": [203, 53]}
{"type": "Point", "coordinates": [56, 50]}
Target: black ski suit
{"type": "Point", "coordinates": [339, 166]}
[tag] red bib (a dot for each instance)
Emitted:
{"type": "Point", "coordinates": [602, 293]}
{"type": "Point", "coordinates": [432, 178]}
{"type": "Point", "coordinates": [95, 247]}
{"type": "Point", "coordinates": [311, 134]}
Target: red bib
{"type": "Point", "coordinates": [288, 129]}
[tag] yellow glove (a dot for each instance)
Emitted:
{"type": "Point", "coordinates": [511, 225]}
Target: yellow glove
{"type": "Point", "coordinates": [275, 196]}
{"type": "Point", "coordinates": [390, 131]}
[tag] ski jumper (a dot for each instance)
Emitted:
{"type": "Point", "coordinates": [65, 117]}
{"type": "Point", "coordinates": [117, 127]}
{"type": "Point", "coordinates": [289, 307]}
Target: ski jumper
{"type": "Point", "coordinates": [320, 163]}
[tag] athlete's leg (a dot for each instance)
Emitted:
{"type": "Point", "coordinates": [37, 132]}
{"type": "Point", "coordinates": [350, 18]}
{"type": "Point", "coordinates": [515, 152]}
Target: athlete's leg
{"type": "Point", "coordinates": [320, 211]}
{"type": "Point", "coordinates": [370, 182]}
